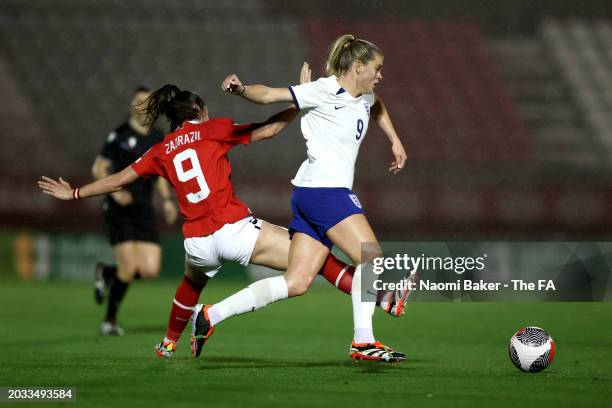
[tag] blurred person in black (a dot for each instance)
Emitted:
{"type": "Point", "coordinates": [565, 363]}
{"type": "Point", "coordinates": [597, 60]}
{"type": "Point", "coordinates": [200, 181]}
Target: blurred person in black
{"type": "Point", "coordinates": [128, 214]}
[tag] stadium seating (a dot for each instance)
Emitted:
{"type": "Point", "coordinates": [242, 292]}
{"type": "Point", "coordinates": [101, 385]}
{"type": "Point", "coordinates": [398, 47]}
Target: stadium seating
{"type": "Point", "coordinates": [442, 89]}
{"type": "Point", "coordinates": [561, 142]}
{"type": "Point", "coordinates": [581, 50]}
{"type": "Point", "coordinates": [476, 147]}
{"type": "Point", "coordinates": [78, 62]}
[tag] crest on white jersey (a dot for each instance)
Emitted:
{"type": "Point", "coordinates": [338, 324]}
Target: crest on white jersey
{"type": "Point", "coordinates": [355, 200]}
{"type": "Point", "coordinates": [367, 108]}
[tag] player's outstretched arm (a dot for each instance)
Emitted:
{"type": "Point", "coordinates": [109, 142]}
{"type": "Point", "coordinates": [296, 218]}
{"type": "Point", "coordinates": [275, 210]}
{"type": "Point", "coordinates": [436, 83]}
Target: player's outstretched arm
{"type": "Point", "coordinates": [62, 190]}
{"type": "Point", "coordinates": [382, 118]}
{"type": "Point", "coordinates": [274, 125]}
{"type": "Point", "coordinates": [260, 94]}
{"type": "Point", "coordinates": [102, 168]}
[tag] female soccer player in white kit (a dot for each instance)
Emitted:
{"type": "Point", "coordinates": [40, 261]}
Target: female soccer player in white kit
{"type": "Point", "coordinates": [217, 225]}
{"type": "Point", "coordinates": [336, 113]}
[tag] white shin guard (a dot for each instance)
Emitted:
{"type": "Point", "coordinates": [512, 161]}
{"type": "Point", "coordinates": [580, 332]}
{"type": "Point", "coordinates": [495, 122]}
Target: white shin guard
{"type": "Point", "coordinates": [362, 311]}
{"type": "Point", "coordinates": [257, 295]}
{"type": "Point", "coordinates": [269, 290]}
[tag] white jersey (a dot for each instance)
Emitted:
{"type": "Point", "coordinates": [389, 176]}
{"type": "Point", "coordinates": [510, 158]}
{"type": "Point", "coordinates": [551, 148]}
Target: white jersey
{"type": "Point", "coordinates": [334, 125]}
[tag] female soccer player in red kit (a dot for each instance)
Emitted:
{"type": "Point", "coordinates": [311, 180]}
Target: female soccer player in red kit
{"type": "Point", "coordinates": [218, 226]}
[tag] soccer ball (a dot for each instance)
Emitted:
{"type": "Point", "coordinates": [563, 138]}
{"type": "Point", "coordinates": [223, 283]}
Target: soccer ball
{"type": "Point", "coordinates": [531, 349]}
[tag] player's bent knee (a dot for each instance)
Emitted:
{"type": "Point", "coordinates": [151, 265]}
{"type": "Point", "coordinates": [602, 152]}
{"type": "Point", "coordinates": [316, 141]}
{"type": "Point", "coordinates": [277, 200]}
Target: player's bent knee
{"type": "Point", "coordinates": [298, 287]}
{"type": "Point", "coordinates": [126, 274]}
{"type": "Point", "coordinates": [368, 254]}
{"type": "Point", "coordinates": [370, 258]}
{"type": "Point", "coordinates": [196, 276]}
{"type": "Point", "coordinates": [148, 273]}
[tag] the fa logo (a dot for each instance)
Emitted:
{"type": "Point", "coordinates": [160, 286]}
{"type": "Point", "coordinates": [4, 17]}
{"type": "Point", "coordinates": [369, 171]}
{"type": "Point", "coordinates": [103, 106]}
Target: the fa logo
{"type": "Point", "coordinates": [367, 108]}
{"type": "Point", "coordinates": [132, 142]}
{"type": "Point", "coordinates": [355, 200]}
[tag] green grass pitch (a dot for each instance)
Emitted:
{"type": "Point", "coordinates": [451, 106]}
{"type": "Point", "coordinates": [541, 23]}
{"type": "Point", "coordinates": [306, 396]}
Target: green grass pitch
{"type": "Point", "coordinates": [295, 353]}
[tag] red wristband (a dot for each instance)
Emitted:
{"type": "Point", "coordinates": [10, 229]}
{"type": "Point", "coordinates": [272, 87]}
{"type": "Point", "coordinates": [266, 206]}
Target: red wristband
{"type": "Point", "coordinates": [75, 193]}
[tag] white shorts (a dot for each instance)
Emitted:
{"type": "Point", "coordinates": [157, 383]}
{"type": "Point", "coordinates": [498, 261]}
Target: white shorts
{"type": "Point", "coordinates": [233, 242]}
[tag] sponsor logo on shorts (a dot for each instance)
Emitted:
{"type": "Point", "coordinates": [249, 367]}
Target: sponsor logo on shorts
{"type": "Point", "coordinates": [355, 200]}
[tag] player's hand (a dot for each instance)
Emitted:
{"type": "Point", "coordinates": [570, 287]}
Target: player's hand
{"type": "Point", "coordinates": [399, 155]}
{"type": "Point", "coordinates": [57, 188]}
{"type": "Point", "coordinates": [305, 73]}
{"type": "Point", "coordinates": [232, 85]}
{"type": "Point", "coordinates": [170, 212]}
{"type": "Point", "coordinates": [122, 197]}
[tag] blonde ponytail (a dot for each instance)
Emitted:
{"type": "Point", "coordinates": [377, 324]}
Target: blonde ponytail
{"type": "Point", "coordinates": [345, 50]}
{"type": "Point", "coordinates": [333, 58]}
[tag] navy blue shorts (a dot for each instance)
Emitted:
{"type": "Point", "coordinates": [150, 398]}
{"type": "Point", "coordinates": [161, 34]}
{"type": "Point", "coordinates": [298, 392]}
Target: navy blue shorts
{"type": "Point", "coordinates": [316, 210]}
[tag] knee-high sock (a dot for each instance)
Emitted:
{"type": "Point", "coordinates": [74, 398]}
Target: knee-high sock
{"type": "Point", "coordinates": [253, 297]}
{"type": "Point", "coordinates": [185, 298]}
{"type": "Point", "coordinates": [109, 272]}
{"type": "Point", "coordinates": [338, 273]}
{"type": "Point", "coordinates": [116, 294]}
{"type": "Point", "coordinates": [362, 311]}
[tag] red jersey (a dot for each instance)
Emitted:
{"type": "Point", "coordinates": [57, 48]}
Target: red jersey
{"type": "Point", "coordinates": [194, 160]}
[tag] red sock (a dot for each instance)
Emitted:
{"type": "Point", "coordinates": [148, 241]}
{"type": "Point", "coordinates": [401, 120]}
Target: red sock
{"type": "Point", "coordinates": [186, 297]}
{"type": "Point", "coordinates": [338, 273]}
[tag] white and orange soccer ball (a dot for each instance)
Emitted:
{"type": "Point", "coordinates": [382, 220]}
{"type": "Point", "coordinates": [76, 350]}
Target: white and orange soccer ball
{"type": "Point", "coordinates": [531, 349]}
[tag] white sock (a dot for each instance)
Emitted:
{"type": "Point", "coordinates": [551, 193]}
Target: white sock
{"type": "Point", "coordinates": [362, 312]}
{"type": "Point", "coordinates": [253, 297]}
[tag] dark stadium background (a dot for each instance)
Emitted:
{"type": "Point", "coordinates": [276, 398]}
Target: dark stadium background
{"type": "Point", "coordinates": [504, 107]}
{"type": "Point", "coordinates": [505, 110]}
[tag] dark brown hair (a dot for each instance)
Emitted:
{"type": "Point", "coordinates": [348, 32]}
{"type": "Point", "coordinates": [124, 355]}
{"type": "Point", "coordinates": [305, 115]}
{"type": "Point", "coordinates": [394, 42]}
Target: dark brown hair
{"type": "Point", "coordinates": [176, 105]}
